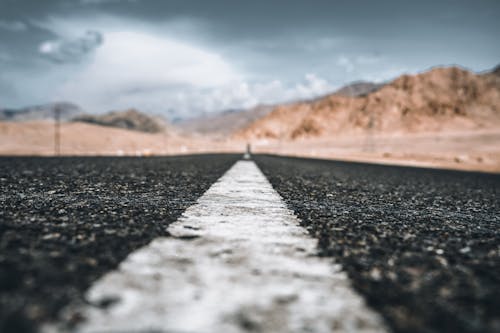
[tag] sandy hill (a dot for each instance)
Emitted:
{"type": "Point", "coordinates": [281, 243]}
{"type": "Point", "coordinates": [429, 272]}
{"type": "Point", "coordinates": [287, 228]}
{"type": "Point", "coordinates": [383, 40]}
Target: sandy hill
{"type": "Point", "coordinates": [130, 119]}
{"type": "Point", "coordinates": [441, 99]}
{"type": "Point", "coordinates": [41, 112]}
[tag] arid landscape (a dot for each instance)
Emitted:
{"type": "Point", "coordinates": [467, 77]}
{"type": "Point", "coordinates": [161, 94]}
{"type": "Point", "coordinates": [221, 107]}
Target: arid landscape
{"type": "Point", "coordinates": [249, 166]}
{"type": "Point", "coordinates": [445, 117]}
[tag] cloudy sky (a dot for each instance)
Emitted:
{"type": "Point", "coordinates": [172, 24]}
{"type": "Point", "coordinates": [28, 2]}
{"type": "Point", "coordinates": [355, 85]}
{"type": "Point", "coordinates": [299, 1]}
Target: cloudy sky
{"type": "Point", "coordinates": [183, 57]}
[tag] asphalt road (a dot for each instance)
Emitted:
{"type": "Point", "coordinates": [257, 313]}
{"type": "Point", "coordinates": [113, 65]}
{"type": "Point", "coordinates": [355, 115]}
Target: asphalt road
{"type": "Point", "coordinates": [422, 246]}
{"type": "Point", "coordinates": [66, 221]}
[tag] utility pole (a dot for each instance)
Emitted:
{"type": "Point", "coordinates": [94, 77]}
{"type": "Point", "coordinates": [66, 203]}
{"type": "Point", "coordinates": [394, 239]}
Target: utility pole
{"type": "Point", "coordinates": [57, 130]}
{"type": "Point", "coordinates": [165, 140]}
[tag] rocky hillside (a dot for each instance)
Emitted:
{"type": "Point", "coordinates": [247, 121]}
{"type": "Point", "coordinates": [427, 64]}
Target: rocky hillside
{"type": "Point", "coordinates": [130, 119]}
{"type": "Point", "coordinates": [448, 98]}
{"type": "Point", "coordinates": [357, 89]}
{"type": "Point", "coordinates": [41, 112]}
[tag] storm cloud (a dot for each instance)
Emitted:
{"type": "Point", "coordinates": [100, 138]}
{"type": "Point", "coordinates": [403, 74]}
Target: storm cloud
{"type": "Point", "coordinates": [70, 50]}
{"type": "Point", "coordinates": [183, 57]}
{"type": "Point", "coordinates": [13, 25]}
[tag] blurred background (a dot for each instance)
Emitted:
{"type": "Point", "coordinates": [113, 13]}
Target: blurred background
{"type": "Point", "coordinates": [403, 82]}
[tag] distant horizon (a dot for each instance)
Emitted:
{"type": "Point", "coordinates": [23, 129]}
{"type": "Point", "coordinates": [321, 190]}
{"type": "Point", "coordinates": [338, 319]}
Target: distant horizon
{"type": "Point", "coordinates": [200, 114]}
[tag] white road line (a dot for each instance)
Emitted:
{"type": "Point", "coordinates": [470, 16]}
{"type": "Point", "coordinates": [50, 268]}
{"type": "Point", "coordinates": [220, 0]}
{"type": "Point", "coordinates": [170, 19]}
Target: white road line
{"type": "Point", "coordinates": [238, 261]}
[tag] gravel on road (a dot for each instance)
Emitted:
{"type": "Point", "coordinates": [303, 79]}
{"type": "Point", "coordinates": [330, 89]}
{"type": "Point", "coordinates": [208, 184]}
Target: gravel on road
{"type": "Point", "coordinates": [64, 222]}
{"type": "Point", "coordinates": [422, 245]}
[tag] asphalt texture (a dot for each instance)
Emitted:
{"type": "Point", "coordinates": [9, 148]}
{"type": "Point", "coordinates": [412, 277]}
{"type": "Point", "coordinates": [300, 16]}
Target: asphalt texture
{"type": "Point", "coordinates": [422, 246]}
{"type": "Point", "coordinates": [64, 222]}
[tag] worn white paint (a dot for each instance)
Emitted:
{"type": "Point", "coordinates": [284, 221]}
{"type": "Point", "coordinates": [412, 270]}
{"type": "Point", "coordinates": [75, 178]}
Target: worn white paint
{"type": "Point", "coordinates": [237, 261]}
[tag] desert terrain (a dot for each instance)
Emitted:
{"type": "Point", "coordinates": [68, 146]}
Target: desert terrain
{"type": "Point", "coordinates": [473, 150]}
{"type": "Point", "coordinates": [446, 117]}
{"type": "Point", "coordinates": [37, 138]}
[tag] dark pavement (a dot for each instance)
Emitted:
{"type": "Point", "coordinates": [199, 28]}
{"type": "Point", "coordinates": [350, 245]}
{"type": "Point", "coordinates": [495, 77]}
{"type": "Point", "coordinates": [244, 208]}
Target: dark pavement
{"type": "Point", "coordinates": [66, 221]}
{"type": "Point", "coordinates": [422, 246]}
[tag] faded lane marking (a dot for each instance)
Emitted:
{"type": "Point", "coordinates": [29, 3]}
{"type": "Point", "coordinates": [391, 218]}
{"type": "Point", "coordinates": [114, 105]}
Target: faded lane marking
{"type": "Point", "coordinates": [238, 261]}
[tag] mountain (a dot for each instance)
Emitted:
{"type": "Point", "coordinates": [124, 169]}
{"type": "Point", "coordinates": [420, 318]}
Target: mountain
{"type": "Point", "coordinates": [446, 98]}
{"type": "Point", "coordinates": [129, 119]}
{"type": "Point", "coordinates": [359, 88]}
{"type": "Point", "coordinates": [496, 71]}
{"type": "Point", "coordinates": [223, 123]}
{"type": "Point", "coordinates": [41, 112]}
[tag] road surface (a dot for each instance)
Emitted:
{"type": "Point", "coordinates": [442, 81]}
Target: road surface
{"type": "Point", "coordinates": [421, 247]}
